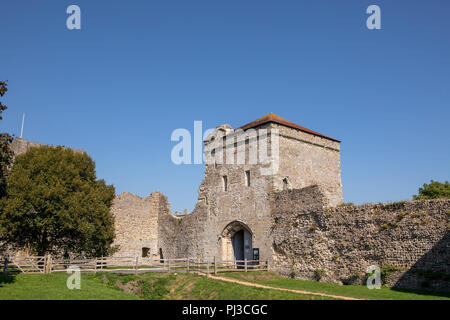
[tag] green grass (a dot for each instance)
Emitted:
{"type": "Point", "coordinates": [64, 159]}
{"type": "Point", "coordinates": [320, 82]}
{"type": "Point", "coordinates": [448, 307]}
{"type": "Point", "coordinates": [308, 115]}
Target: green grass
{"type": "Point", "coordinates": [134, 286]}
{"type": "Point", "coordinates": [189, 286]}
{"type": "Point", "coordinates": [182, 286]}
{"type": "Point", "coordinates": [53, 286]}
{"type": "Point", "coordinates": [385, 293]}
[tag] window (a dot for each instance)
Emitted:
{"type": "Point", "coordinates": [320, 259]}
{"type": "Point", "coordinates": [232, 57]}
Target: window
{"type": "Point", "coordinates": [225, 183]}
{"type": "Point", "coordinates": [145, 252]}
{"type": "Point", "coordinates": [286, 185]}
{"type": "Point", "coordinates": [247, 178]}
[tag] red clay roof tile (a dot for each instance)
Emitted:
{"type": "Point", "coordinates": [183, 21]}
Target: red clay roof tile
{"type": "Point", "coordinates": [277, 119]}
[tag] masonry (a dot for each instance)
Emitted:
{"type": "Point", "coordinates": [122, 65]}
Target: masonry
{"type": "Point", "coordinates": [242, 207]}
{"type": "Point", "coordinates": [287, 208]}
{"type": "Point", "coordinates": [292, 216]}
{"type": "Point", "coordinates": [408, 240]}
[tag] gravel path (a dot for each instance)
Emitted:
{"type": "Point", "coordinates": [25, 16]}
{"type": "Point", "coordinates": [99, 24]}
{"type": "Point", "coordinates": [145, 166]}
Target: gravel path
{"type": "Point", "coordinates": [250, 284]}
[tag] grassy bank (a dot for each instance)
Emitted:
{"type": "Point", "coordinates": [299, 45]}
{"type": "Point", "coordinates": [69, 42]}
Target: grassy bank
{"type": "Point", "coordinates": [385, 293]}
{"type": "Point", "coordinates": [134, 286]}
{"type": "Point", "coordinates": [53, 287]}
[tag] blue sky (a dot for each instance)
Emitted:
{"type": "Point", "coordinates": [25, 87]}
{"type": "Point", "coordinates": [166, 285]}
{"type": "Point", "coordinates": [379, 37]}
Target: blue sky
{"type": "Point", "coordinates": [137, 70]}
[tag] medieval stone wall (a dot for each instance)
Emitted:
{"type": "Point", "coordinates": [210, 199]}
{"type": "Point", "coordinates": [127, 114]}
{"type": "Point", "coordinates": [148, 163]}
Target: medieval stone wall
{"type": "Point", "coordinates": [201, 234]}
{"type": "Point", "coordinates": [136, 225]}
{"type": "Point", "coordinates": [408, 240]}
{"type": "Point", "coordinates": [19, 146]}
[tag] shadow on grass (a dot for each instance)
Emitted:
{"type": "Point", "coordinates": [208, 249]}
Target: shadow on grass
{"type": "Point", "coordinates": [6, 278]}
{"type": "Point", "coordinates": [423, 292]}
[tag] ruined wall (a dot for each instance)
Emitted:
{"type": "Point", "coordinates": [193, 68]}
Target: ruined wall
{"type": "Point", "coordinates": [19, 146]}
{"type": "Point", "coordinates": [199, 234]}
{"type": "Point", "coordinates": [408, 240]}
{"type": "Point", "coordinates": [136, 224]}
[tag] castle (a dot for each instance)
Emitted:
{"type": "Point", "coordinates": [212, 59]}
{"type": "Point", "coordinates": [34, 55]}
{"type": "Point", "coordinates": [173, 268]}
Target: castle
{"type": "Point", "coordinates": [232, 217]}
{"type": "Point", "coordinates": [272, 191]}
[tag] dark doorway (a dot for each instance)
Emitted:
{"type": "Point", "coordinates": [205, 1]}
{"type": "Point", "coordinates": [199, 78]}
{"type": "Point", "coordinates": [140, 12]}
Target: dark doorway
{"type": "Point", "coordinates": [238, 245]}
{"type": "Point", "coordinates": [242, 247]}
{"type": "Point", "coordinates": [145, 252]}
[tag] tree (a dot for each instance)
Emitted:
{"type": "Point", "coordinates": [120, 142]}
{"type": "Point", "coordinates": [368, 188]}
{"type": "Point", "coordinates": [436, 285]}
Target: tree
{"type": "Point", "coordinates": [434, 190]}
{"type": "Point", "coordinates": [55, 204]}
{"type": "Point", "coordinates": [6, 155]}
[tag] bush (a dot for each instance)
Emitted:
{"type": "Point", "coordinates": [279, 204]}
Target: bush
{"type": "Point", "coordinates": [434, 190]}
{"type": "Point", "coordinates": [55, 203]}
{"type": "Point", "coordinates": [319, 274]}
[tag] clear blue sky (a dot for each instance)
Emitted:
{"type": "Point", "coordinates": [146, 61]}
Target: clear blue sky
{"type": "Point", "coordinates": [137, 70]}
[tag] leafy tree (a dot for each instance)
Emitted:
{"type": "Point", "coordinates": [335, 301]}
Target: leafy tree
{"type": "Point", "coordinates": [434, 190]}
{"type": "Point", "coordinates": [6, 155]}
{"type": "Point", "coordinates": [54, 204]}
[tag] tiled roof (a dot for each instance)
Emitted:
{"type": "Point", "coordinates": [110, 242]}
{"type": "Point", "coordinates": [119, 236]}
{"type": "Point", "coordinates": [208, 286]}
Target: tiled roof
{"type": "Point", "coordinates": [277, 119]}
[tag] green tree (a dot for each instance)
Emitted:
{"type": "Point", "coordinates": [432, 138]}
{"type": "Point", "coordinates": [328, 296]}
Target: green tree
{"type": "Point", "coordinates": [55, 204]}
{"type": "Point", "coordinates": [6, 155]}
{"type": "Point", "coordinates": [434, 190]}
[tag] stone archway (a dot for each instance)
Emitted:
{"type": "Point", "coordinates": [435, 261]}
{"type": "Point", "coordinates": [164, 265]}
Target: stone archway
{"type": "Point", "coordinates": [236, 242]}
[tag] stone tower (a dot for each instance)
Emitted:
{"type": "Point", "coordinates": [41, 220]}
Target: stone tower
{"type": "Point", "coordinates": [287, 156]}
{"type": "Point", "coordinates": [244, 167]}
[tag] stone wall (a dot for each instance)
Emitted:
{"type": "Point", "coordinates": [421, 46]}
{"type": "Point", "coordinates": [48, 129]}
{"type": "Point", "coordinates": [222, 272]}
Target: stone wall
{"type": "Point", "coordinates": [19, 146]}
{"type": "Point", "coordinates": [136, 224]}
{"type": "Point", "coordinates": [408, 240]}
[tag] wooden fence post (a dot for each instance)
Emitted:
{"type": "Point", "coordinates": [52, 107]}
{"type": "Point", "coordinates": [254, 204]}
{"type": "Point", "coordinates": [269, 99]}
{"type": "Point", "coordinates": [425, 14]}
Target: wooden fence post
{"type": "Point", "coordinates": [245, 264]}
{"type": "Point", "coordinates": [136, 265]}
{"type": "Point", "coordinates": [5, 267]}
{"type": "Point", "coordinates": [48, 264]}
{"type": "Point", "coordinates": [101, 265]}
{"type": "Point", "coordinates": [215, 265]}
{"type": "Point", "coordinates": [207, 269]}
{"type": "Point", "coordinates": [168, 265]}
{"type": "Point", "coordinates": [187, 264]}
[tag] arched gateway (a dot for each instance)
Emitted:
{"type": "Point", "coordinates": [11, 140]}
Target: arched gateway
{"type": "Point", "coordinates": [236, 242]}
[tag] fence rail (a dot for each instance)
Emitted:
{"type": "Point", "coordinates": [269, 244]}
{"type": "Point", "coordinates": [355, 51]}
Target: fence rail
{"type": "Point", "coordinates": [47, 264]}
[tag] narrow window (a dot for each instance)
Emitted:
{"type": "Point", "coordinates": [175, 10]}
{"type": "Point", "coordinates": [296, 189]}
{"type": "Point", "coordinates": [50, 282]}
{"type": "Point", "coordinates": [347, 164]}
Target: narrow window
{"type": "Point", "coordinates": [247, 178]}
{"type": "Point", "coordinates": [225, 183]}
{"type": "Point", "coordinates": [285, 184]}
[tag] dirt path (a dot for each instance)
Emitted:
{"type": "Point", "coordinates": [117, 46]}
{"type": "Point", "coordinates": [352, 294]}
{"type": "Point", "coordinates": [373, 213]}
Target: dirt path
{"type": "Point", "coordinates": [250, 284]}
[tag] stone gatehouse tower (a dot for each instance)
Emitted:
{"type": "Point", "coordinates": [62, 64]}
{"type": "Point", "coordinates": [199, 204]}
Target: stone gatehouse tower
{"type": "Point", "coordinates": [232, 219]}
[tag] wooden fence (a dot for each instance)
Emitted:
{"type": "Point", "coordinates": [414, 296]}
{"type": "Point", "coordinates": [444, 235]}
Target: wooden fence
{"type": "Point", "coordinates": [48, 264]}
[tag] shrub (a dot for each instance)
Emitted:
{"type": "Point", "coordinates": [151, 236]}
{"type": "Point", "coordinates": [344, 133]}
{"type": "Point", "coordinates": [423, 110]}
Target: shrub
{"type": "Point", "coordinates": [433, 190]}
{"type": "Point", "coordinates": [319, 274]}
